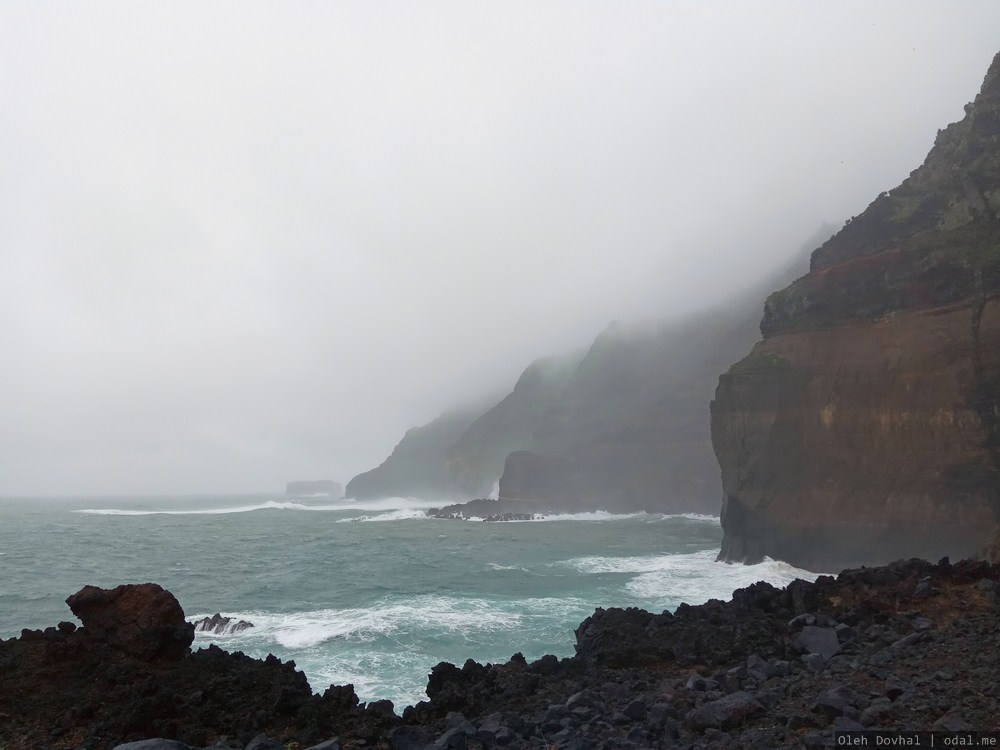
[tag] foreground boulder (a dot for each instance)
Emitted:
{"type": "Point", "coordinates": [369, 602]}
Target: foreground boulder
{"type": "Point", "coordinates": [128, 675]}
{"type": "Point", "coordinates": [143, 620]}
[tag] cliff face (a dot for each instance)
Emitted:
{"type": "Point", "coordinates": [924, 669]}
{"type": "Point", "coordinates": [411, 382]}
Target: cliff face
{"type": "Point", "coordinates": [629, 431]}
{"type": "Point", "coordinates": [416, 466]}
{"type": "Point", "coordinates": [459, 456]}
{"type": "Point", "coordinates": [474, 463]}
{"type": "Point", "coordinates": [865, 427]}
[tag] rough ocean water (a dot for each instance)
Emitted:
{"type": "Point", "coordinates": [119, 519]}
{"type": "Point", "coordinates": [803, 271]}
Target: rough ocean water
{"type": "Point", "coordinates": [370, 593]}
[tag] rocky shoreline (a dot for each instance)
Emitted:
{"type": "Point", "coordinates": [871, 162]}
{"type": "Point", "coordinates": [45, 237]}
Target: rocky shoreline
{"type": "Point", "coordinates": [909, 646]}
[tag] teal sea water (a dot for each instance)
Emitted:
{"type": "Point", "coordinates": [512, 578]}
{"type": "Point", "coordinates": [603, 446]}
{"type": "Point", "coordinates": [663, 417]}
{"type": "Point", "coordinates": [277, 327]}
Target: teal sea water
{"type": "Point", "coordinates": [371, 593]}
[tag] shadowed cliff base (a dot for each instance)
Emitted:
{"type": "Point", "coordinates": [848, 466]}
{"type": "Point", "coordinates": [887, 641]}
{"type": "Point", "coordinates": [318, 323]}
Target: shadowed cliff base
{"type": "Point", "coordinates": [866, 425]}
{"type": "Point", "coordinates": [910, 646]}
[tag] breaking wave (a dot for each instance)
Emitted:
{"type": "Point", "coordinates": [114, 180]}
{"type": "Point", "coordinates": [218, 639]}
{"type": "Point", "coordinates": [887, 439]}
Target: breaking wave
{"type": "Point", "coordinates": [393, 503]}
{"type": "Point", "coordinates": [693, 577]}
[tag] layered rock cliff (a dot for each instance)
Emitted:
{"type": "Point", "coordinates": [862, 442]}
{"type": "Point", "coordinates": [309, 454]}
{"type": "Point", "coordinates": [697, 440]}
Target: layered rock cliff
{"type": "Point", "coordinates": [865, 427]}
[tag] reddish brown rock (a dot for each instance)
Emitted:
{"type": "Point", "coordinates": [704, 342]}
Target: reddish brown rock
{"type": "Point", "coordinates": [144, 620]}
{"type": "Point", "coordinates": [866, 426]}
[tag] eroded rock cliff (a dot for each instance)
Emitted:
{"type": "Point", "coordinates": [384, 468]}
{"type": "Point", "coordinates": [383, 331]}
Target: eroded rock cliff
{"type": "Point", "coordinates": [865, 427]}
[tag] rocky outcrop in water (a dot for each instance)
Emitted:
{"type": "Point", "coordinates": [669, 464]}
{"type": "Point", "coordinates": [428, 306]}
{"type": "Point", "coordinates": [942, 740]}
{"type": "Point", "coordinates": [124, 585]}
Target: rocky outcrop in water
{"type": "Point", "coordinates": [221, 625]}
{"type": "Point", "coordinates": [486, 509]}
{"type": "Point", "coordinates": [866, 425]}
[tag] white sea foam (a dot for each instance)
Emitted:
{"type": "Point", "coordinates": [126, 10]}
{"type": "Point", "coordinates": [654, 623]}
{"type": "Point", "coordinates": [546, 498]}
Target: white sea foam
{"type": "Point", "coordinates": [694, 577]}
{"type": "Point", "coordinates": [594, 515]}
{"type": "Point", "coordinates": [392, 503]}
{"type": "Point", "coordinates": [707, 518]}
{"type": "Point", "coordinates": [401, 675]}
{"type": "Point", "coordinates": [269, 505]}
{"type": "Point", "coordinates": [428, 614]}
{"type": "Point", "coordinates": [497, 566]}
{"type": "Point", "coordinates": [403, 514]}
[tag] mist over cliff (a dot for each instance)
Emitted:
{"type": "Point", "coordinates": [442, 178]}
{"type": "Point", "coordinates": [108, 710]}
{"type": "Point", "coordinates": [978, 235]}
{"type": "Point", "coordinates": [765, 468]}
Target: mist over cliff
{"type": "Point", "coordinates": [622, 425]}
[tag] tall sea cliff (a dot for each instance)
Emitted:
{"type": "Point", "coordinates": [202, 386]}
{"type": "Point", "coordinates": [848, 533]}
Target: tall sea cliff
{"type": "Point", "coordinates": [865, 427]}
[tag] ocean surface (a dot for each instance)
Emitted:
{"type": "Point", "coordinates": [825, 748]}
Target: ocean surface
{"type": "Point", "coordinates": [370, 593]}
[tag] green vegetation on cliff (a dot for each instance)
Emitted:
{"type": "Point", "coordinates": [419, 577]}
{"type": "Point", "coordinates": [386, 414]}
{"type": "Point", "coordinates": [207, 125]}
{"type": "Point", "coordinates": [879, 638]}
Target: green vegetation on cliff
{"type": "Point", "coordinates": [927, 243]}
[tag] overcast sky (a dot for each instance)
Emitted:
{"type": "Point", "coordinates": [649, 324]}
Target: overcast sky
{"type": "Point", "coordinates": [248, 242]}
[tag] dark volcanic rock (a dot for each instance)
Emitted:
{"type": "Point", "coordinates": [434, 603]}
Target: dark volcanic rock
{"type": "Point", "coordinates": [487, 509]}
{"type": "Point", "coordinates": [128, 675]}
{"type": "Point", "coordinates": [822, 641]}
{"type": "Point", "coordinates": [725, 713]}
{"type": "Point", "coordinates": [221, 625]}
{"type": "Point", "coordinates": [144, 620]}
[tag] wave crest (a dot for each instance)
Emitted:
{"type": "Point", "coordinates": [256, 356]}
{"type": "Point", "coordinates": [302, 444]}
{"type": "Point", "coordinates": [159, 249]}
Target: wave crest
{"type": "Point", "coordinates": [693, 577]}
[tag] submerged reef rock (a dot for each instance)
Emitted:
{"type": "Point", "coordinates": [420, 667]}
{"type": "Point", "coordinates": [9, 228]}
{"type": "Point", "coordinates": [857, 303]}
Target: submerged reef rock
{"type": "Point", "coordinates": [865, 427]}
{"type": "Point", "coordinates": [909, 646]}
